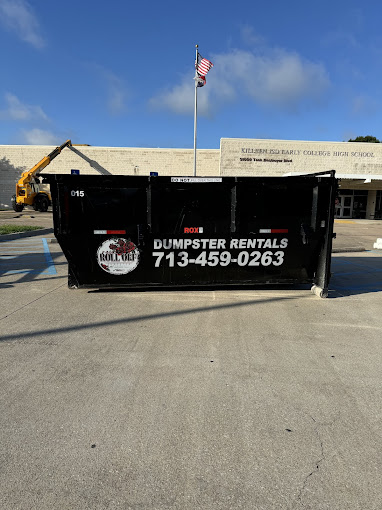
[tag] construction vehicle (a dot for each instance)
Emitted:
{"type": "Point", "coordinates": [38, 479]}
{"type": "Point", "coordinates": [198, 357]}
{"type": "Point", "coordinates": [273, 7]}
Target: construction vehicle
{"type": "Point", "coordinates": [28, 190]}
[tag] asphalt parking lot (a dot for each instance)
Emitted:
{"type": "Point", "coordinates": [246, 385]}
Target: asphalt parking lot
{"type": "Point", "coordinates": [240, 399]}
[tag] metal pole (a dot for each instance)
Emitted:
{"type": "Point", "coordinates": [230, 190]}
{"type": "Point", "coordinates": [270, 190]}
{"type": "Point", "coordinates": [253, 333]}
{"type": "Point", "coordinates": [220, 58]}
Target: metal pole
{"type": "Point", "coordinates": [195, 109]}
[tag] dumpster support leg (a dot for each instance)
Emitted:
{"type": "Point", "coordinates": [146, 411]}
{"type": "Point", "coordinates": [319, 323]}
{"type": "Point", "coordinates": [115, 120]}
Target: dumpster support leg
{"type": "Point", "coordinates": [319, 291]}
{"type": "Point", "coordinates": [324, 261]}
{"type": "Point", "coordinates": [72, 280]}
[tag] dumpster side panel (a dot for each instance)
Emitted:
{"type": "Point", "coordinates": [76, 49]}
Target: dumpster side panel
{"type": "Point", "coordinates": [139, 231]}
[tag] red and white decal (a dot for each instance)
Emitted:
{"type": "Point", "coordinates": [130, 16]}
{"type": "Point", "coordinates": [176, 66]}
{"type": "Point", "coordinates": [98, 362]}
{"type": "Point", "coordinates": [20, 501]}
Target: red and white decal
{"type": "Point", "coordinates": [273, 231]}
{"type": "Point", "coordinates": [118, 256]}
{"type": "Point", "coordinates": [110, 232]}
{"type": "Point", "coordinates": [193, 230]}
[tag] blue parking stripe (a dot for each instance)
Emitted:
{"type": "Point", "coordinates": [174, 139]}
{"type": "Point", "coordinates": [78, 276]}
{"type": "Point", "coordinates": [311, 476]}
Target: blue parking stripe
{"type": "Point", "coordinates": [48, 258]}
{"type": "Point", "coordinates": [26, 258]}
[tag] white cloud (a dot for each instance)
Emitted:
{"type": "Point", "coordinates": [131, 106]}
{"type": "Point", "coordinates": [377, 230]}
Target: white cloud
{"type": "Point", "coordinates": [39, 137]}
{"type": "Point", "coordinates": [281, 79]}
{"type": "Point", "coordinates": [250, 37]}
{"type": "Point", "coordinates": [18, 16]}
{"type": "Point", "coordinates": [16, 110]}
{"type": "Point", "coordinates": [180, 99]}
{"type": "Point", "coordinates": [363, 105]}
{"type": "Point", "coordinates": [116, 90]}
{"type": "Point", "coordinates": [116, 94]}
{"type": "Point", "coordinates": [342, 38]}
{"type": "Point", "coordinates": [276, 78]}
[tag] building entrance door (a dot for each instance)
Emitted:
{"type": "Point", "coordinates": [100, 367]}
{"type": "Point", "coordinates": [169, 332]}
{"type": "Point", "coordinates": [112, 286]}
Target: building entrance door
{"type": "Point", "coordinates": [344, 207]}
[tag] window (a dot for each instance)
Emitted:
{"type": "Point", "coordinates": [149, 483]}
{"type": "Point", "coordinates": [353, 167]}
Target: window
{"type": "Point", "coordinates": [378, 206]}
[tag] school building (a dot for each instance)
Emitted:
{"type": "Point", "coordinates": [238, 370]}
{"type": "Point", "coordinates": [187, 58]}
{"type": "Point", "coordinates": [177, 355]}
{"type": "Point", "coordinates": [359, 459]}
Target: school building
{"type": "Point", "coordinates": [357, 165]}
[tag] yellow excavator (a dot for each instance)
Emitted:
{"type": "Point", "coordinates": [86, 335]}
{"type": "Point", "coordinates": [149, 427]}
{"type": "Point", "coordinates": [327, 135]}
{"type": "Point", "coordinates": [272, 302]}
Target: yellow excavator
{"type": "Point", "coordinates": [28, 191]}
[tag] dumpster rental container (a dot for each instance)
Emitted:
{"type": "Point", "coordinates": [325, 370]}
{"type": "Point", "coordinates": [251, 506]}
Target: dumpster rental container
{"type": "Point", "coordinates": [135, 231]}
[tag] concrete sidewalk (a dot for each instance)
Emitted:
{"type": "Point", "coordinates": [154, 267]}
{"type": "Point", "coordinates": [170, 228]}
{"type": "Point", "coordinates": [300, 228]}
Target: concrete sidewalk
{"type": "Point", "coordinates": [356, 235]}
{"type": "Point", "coordinates": [199, 400]}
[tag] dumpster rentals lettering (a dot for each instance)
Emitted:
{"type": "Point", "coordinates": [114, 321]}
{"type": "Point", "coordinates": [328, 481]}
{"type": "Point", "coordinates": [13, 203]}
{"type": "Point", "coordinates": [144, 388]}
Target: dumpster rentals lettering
{"type": "Point", "coordinates": [215, 252]}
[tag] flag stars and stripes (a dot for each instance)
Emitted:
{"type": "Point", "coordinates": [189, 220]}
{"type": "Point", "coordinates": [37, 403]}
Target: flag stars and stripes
{"type": "Point", "coordinates": [202, 66]}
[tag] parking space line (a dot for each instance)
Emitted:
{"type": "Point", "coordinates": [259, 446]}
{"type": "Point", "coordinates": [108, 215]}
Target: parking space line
{"type": "Point", "coordinates": [48, 258]}
{"type": "Point", "coordinates": [25, 257]}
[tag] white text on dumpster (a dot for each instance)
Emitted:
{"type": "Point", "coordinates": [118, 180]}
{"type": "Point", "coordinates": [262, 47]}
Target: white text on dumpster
{"type": "Point", "coordinates": [215, 252]}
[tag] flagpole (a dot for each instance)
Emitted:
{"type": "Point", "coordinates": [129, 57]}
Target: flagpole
{"type": "Point", "coordinates": [195, 109]}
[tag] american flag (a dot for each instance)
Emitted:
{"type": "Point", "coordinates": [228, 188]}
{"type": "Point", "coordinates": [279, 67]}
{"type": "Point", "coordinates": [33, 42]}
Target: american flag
{"type": "Point", "coordinates": [203, 66]}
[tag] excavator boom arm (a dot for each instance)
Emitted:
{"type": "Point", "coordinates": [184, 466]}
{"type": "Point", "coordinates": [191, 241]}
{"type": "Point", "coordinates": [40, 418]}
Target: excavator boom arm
{"type": "Point", "coordinates": [27, 188]}
{"type": "Point", "coordinates": [29, 174]}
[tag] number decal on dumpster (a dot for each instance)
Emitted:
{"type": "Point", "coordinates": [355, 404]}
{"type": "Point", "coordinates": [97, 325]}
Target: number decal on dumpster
{"type": "Point", "coordinates": [118, 256]}
{"type": "Point", "coordinates": [219, 256]}
{"type": "Point", "coordinates": [77, 193]}
{"type": "Point", "coordinates": [224, 258]}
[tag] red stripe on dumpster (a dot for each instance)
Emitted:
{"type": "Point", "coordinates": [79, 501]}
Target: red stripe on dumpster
{"type": "Point", "coordinates": [110, 231]}
{"type": "Point", "coordinates": [273, 231]}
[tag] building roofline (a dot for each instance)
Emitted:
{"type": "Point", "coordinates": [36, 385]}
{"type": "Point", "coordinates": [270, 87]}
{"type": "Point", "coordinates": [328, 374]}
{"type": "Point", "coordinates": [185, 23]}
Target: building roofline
{"type": "Point", "coordinates": [351, 177]}
{"type": "Point", "coordinates": [109, 148]}
{"type": "Point", "coordinates": [298, 141]}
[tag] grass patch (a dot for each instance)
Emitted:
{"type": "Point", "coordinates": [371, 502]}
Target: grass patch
{"type": "Point", "coordinates": [13, 229]}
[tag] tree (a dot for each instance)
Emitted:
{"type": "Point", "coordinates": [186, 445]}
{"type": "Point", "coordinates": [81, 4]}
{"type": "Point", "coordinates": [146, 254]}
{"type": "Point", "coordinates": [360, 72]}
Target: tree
{"type": "Point", "coordinates": [369, 139]}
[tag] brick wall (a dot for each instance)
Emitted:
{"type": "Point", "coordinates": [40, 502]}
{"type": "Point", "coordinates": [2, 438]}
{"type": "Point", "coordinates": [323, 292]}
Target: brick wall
{"type": "Point", "coordinates": [237, 156]}
{"type": "Point", "coordinates": [102, 160]}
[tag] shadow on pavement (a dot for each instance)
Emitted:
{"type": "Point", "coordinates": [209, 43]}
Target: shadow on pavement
{"type": "Point", "coordinates": [355, 275]}
{"type": "Point", "coordinates": [29, 266]}
{"type": "Point", "coordinates": [139, 318]}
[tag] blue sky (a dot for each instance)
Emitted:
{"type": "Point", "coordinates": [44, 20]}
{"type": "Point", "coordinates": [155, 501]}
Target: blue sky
{"type": "Point", "coordinates": [120, 73]}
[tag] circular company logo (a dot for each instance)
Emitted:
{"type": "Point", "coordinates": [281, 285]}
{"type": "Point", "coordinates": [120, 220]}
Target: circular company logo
{"type": "Point", "coordinates": [118, 256]}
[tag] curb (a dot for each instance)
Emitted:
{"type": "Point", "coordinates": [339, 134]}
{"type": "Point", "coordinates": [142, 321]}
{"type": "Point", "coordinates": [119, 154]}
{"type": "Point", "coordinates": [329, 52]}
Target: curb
{"type": "Point", "coordinates": [18, 235]}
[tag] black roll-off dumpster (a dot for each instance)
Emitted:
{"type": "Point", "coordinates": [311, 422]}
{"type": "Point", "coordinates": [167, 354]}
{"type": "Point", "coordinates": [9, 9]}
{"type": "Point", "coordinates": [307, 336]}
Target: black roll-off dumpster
{"type": "Point", "coordinates": [136, 231]}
